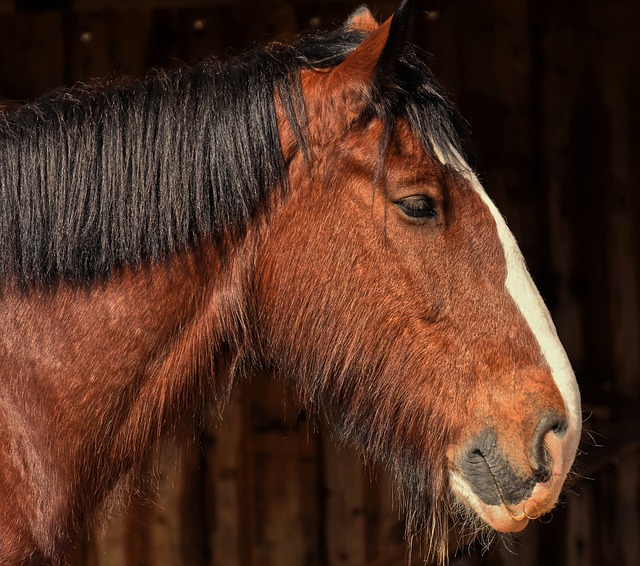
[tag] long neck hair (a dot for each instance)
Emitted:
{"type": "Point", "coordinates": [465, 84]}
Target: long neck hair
{"type": "Point", "coordinates": [96, 177]}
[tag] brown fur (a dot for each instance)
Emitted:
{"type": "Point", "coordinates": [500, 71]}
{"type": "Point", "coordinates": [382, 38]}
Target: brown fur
{"type": "Point", "coordinates": [97, 374]}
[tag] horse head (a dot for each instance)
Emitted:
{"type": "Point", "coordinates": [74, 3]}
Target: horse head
{"type": "Point", "coordinates": [391, 290]}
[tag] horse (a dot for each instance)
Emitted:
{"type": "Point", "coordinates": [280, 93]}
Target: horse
{"type": "Point", "coordinates": [308, 208]}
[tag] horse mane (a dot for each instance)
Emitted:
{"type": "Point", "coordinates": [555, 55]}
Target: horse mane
{"type": "Point", "coordinates": [95, 177]}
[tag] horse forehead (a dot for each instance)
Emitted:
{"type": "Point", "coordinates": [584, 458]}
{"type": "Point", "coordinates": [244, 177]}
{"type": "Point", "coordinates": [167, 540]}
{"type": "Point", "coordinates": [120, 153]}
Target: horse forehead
{"type": "Point", "coordinates": [475, 248]}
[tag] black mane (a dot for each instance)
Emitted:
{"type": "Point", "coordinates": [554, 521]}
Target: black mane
{"type": "Point", "coordinates": [96, 178]}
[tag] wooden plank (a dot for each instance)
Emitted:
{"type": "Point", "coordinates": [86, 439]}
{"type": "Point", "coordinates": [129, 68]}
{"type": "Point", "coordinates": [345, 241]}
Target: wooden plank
{"type": "Point", "coordinates": [585, 144]}
{"type": "Point", "coordinates": [164, 511]}
{"type": "Point", "coordinates": [99, 5]}
{"type": "Point", "coordinates": [345, 505]}
{"type": "Point", "coordinates": [36, 63]}
{"type": "Point", "coordinates": [556, 57]}
{"type": "Point", "coordinates": [162, 523]}
{"type": "Point", "coordinates": [284, 496]}
{"type": "Point", "coordinates": [628, 508]}
{"type": "Point", "coordinates": [219, 31]}
{"type": "Point", "coordinates": [6, 6]}
{"type": "Point", "coordinates": [227, 528]}
{"type": "Point", "coordinates": [556, 47]}
{"type": "Point", "coordinates": [624, 277]}
{"type": "Point", "coordinates": [580, 536]}
{"type": "Point", "coordinates": [385, 544]}
{"type": "Point", "coordinates": [107, 543]}
{"type": "Point", "coordinates": [619, 442]}
{"type": "Point", "coordinates": [107, 44]}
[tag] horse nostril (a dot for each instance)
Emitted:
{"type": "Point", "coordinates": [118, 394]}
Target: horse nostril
{"type": "Point", "coordinates": [540, 459]}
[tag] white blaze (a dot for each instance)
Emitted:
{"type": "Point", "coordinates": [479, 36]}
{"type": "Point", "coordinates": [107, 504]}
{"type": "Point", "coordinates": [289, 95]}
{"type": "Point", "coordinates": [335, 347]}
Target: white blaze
{"type": "Point", "coordinates": [528, 300]}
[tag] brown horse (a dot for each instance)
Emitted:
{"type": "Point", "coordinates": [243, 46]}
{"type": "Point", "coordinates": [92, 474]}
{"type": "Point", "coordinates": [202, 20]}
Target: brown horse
{"type": "Point", "coordinates": [308, 209]}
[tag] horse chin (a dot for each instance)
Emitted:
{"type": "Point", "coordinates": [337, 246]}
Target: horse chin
{"type": "Point", "coordinates": [509, 518]}
{"type": "Point", "coordinates": [500, 518]}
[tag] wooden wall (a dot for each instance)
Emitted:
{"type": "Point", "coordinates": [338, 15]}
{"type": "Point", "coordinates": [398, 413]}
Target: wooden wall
{"type": "Point", "coordinates": [552, 91]}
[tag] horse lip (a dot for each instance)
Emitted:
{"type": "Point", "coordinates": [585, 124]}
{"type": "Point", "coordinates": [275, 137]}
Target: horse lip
{"type": "Point", "coordinates": [545, 493]}
{"type": "Point", "coordinates": [512, 518]}
{"type": "Point", "coordinates": [523, 515]}
{"type": "Point", "coordinates": [522, 518]}
{"type": "Point", "coordinates": [499, 517]}
{"type": "Point", "coordinates": [496, 483]}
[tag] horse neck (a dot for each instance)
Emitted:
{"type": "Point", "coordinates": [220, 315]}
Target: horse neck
{"type": "Point", "coordinates": [117, 365]}
{"type": "Point", "coordinates": [186, 319]}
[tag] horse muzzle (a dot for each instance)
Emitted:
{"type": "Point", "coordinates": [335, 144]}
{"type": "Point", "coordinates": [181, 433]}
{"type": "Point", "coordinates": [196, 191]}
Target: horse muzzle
{"type": "Point", "coordinates": [504, 495]}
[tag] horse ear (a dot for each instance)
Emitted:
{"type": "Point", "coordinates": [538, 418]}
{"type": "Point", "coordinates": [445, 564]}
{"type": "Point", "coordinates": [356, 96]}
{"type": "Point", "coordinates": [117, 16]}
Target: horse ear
{"type": "Point", "coordinates": [372, 63]}
{"type": "Point", "coordinates": [362, 20]}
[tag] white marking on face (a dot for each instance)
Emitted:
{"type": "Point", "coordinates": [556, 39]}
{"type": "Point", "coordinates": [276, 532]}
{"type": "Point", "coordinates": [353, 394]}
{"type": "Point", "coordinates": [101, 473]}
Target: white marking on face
{"type": "Point", "coordinates": [528, 300]}
{"type": "Point", "coordinates": [526, 296]}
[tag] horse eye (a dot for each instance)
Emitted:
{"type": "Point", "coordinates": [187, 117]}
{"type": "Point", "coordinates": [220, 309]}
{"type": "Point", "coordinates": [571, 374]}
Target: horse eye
{"type": "Point", "coordinates": [417, 206]}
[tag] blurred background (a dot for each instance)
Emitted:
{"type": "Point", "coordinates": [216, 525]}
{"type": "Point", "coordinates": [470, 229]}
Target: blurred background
{"type": "Point", "coordinates": [552, 92]}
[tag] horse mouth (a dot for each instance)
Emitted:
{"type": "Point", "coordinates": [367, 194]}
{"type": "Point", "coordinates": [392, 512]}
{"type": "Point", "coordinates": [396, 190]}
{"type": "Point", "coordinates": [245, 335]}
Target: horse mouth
{"type": "Point", "coordinates": [500, 517]}
{"type": "Point", "coordinates": [508, 507]}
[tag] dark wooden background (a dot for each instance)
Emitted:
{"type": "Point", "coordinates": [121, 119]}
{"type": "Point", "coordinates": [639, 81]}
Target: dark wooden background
{"type": "Point", "coordinates": [552, 91]}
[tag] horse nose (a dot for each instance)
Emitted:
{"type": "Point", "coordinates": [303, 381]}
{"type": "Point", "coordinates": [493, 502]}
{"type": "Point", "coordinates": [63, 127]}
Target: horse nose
{"type": "Point", "coordinates": [551, 425]}
{"type": "Point", "coordinates": [493, 476]}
